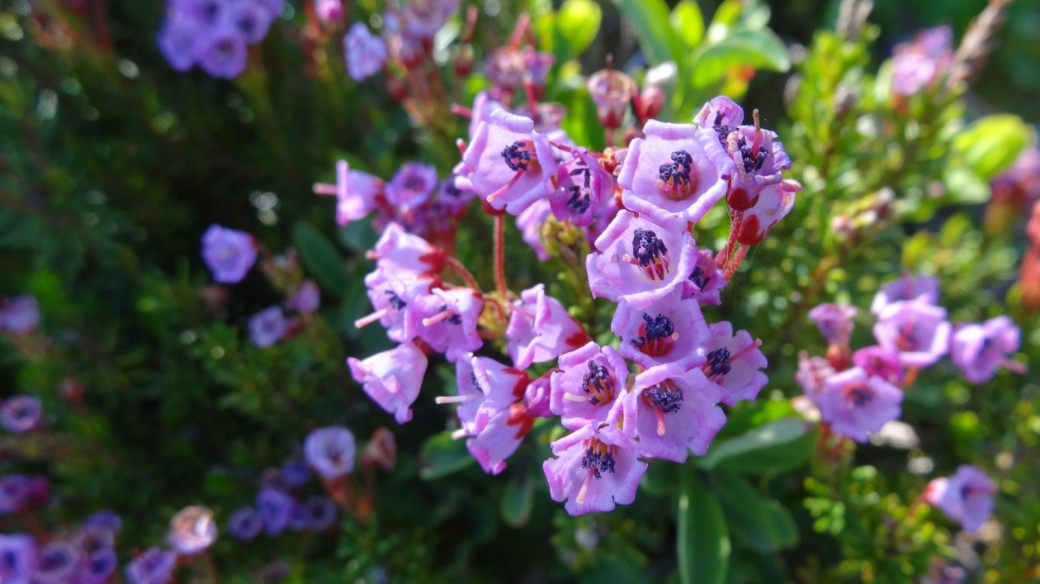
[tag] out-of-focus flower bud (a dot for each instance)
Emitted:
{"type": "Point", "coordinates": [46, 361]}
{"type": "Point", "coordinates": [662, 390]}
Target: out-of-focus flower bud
{"type": "Point", "coordinates": [381, 450]}
{"type": "Point", "coordinates": [651, 100]}
{"type": "Point", "coordinates": [611, 91]}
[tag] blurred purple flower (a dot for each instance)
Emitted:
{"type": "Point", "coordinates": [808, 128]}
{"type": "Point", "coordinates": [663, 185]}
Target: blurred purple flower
{"type": "Point", "coordinates": [14, 492]}
{"type": "Point", "coordinates": [322, 512]}
{"type": "Point", "coordinates": [294, 474]}
{"type": "Point", "coordinates": [152, 566]}
{"type": "Point", "coordinates": [192, 530]}
{"type": "Point", "coordinates": [228, 253]}
{"type": "Point", "coordinates": [915, 331]}
{"type": "Point", "coordinates": [222, 54]}
{"type": "Point", "coordinates": [329, 10]}
{"type": "Point", "coordinates": [57, 563]}
{"type": "Point", "coordinates": [365, 53]}
{"type": "Point", "coordinates": [906, 288]}
{"type": "Point", "coordinates": [307, 297]}
{"type": "Point", "coordinates": [20, 314]}
{"type": "Point", "coordinates": [98, 566]}
{"type": "Point", "coordinates": [392, 378]}
{"type": "Point", "coordinates": [18, 558]}
{"type": "Point", "coordinates": [918, 64]}
{"type": "Point", "coordinates": [835, 322]}
{"type": "Point", "coordinates": [411, 186]}
{"type": "Point", "coordinates": [979, 350]}
{"type": "Point", "coordinates": [967, 496]}
{"type": "Point", "coordinates": [245, 524]}
{"type": "Point", "coordinates": [856, 405]}
{"type": "Point", "coordinates": [268, 326]}
{"type": "Point", "coordinates": [21, 413]}
{"type": "Point", "coordinates": [540, 329]}
{"type": "Point", "coordinates": [275, 508]}
{"type": "Point", "coordinates": [330, 451]}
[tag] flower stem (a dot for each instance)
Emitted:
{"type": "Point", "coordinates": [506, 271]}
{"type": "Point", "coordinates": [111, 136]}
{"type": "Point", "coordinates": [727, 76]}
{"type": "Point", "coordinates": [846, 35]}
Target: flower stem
{"type": "Point", "coordinates": [500, 256]}
{"type": "Point", "coordinates": [463, 273]}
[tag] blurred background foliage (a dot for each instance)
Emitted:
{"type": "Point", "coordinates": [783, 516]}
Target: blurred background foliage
{"type": "Point", "coordinates": [112, 165]}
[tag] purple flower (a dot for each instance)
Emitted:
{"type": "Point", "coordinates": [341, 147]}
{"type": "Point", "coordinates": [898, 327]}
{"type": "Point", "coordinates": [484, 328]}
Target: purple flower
{"type": "Point", "coordinates": [455, 193]}
{"type": "Point", "coordinates": [918, 64]}
{"type": "Point", "coordinates": [365, 53]}
{"type": "Point", "coordinates": [811, 375]}
{"type": "Point", "coordinates": [57, 563]}
{"type": "Point", "coordinates": [509, 163]}
{"type": "Point", "coordinates": [733, 362]}
{"type": "Point", "coordinates": [915, 330]}
{"type": "Point", "coordinates": [411, 186]}
{"type": "Point", "coordinates": [669, 330]}
{"type": "Point", "coordinates": [98, 566]}
{"type": "Point", "coordinates": [228, 253]}
{"type": "Point", "coordinates": [530, 223]}
{"type": "Point", "coordinates": [676, 171]}
{"type": "Point", "coordinates": [105, 518]}
{"type": "Point", "coordinates": [449, 321]}
{"type": "Point", "coordinates": [268, 326]}
{"type": "Point", "coordinates": [1021, 181]}
{"type": "Point", "coordinates": [587, 384]}
{"type": "Point", "coordinates": [18, 558]}
{"type": "Point", "coordinates": [405, 255]}
{"type": "Point", "coordinates": [722, 115]}
{"type": "Point", "coordinates": [540, 329]}
{"type": "Point", "coordinates": [538, 65]}
{"type": "Point", "coordinates": [392, 378]}
{"type": "Point", "coordinates": [423, 18]}
{"type": "Point", "coordinates": [330, 451]}
{"type": "Point", "coordinates": [91, 538]}
{"type": "Point", "coordinates": [391, 298]}
{"type": "Point", "coordinates": [925, 288]}
{"type": "Point", "coordinates": [979, 350]}
{"type": "Point", "coordinates": [20, 314]}
{"type": "Point", "coordinates": [500, 385]}
{"type": "Point", "coordinates": [672, 411]}
{"type": "Point", "coordinates": [245, 524]}
{"type": "Point", "coordinates": [250, 20]}
{"type": "Point", "coordinates": [612, 92]}
{"type": "Point", "coordinates": [856, 405]}
{"type": "Point", "coordinates": [322, 512]}
{"type": "Point", "coordinates": [582, 186]}
{"type": "Point", "coordinates": [505, 69]}
{"type": "Point", "coordinates": [500, 438]}
{"type": "Point", "coordinates": [470, 397]}
{"type": "Point", "coordinates": [357, 193]}
{"type": "Point", "coordinates": [329, 10]}
{"type": "Point", "coordinates": [307, 297]}
{"type": "Point", "coordinates": [178, 38]}
{"type": "Point", "coordinates": [595, 469]}
{"type": "Point", "coordinates": [14, 492]}
{"type": "Point", "coordinates": [153, 566]}
{"type": "Point", "coordinates": [640, 260]}
{"type": "Point", "coordinates": [275, 508]}
{"type": "Point", "coordinates": [774, 203]}
{"type": "Point", "coordinates": [706, 280]}
{"type": "Point", "coordinates": [967, 496]}
{"type": "Point", "coordinates": [880, 362]}
{"type": "Point", "coordinates": [300, 517]}
{"type": "Point", "coordinates": [537, 397]}
{"type": "Point", "coordinates": [222, 54]}
{"type": "Point", "coordinates": [835, 322]}
{"type": "Point", "coordinates": [21, 413]}
{"type": "Point", "coordinates": [294, 474]}
{"type": "Point", "coordinates": [192, 530]}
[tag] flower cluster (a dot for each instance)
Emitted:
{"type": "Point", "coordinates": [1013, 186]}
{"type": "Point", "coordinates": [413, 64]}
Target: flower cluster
{"type": "Point", "coordinates": [86, 556]}
{"type": "Point", "coordinates": [919, 64]}
{"type": "Point", "coordinates": [214, 34]}
{"type": "Point", "coordinates": [636, 207]}
{"type": "Point", "coordinates": [858, 392]}
{"type": "Point", "coordinates": [406, 41]}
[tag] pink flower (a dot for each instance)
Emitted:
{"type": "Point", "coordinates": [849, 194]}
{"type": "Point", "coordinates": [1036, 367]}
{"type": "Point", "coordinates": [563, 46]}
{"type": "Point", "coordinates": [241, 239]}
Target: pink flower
{"type": "Point", "coordinates": [228, 253]}
{"type": "Point", "coordinates": [329, 10]}
{"type": "Point", "coordinates": [759, 159]}
{"type": "Point", "coordinates": [979, 350]}
{"type": "Point", "coordinates": [672, 411]}
{"type": "Point", "coordinates": [330, 451]}
{"type": "Point", "coordinates": [502, 386]}
{"type": "Point", "coordinates": [192, 530]}
{"type": "Point", "coordinates": [391, 297]}
{"type": "Point", "coordinates": [392, 378]}
{"type": "Point", "coordinates": [540, 329]}
{"type": "Point", "coordinates": [587, 384]}
{"type": "Point", "coordinates": [411, 186]}
{"type": "Point", "coordinates": [880, 362]}
{"type": "Point", "coordinates": [447, 321]}
{"type": "Point", "coordinates": [357, 193]}
{"type": "Point", "coordinates": [677, 170]}
{"type": "Point", "coordinates": [537, 397]}
{"type": "Point", "coordinates": [918, 64]}
{"type": "Point", "coordinates": [916, 331]}
{"type": "Point", "coordinates": [722, 115]}
{"type": "Point", "coordinates": [706, 280]}
{"type": "Point", "coordinates": [404, 254]}
{"type": "Point", "coordinates": [509, 163]}
{"type": "Point", "coordinates": [668, 330]}
{"type": "Point", "coordinates": [905, 288]}
{"type": "Point", "coordinates": [733, 362]}
{"type": "Point", "coordinates": [582, 186]}
{"type": "Point", "coordinates": [811, 375]}
{"type": "Point", "coordinates": [640, 260]}
{"type": "Point", "coordinates": [835, 322]}
{"type": "Point", "coordinates": [530, 223]}
{"type": "Point", "coordinates": [967, 496]}
{"type": "Point", "coordinates": [856, 405]}
{"type": "Point", "coordinates": [596, 468]}
{"type": "Point", "coordinates": [500, 438]}
{"type": "Point", "coordinates": [774, 203]}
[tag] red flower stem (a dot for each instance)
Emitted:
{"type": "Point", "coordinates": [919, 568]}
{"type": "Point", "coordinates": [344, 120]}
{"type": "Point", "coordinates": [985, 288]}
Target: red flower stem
{"type": "Point", "coordinates": [463, 273]}
{"type": "Point", "coordinates": [500, 256]}
{"type": "Point", "coordinates": [734, 262]}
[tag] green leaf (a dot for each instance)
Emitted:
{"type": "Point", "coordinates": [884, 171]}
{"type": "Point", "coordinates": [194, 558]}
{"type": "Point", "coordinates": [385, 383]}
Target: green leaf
{"type": "Point", "coordinates": [760, 49]}
{"type": "Point", "coordinates": [991, 144]}
{"type": "Point", "coordinates": [688, 23]}
{"type": "Point", "coordinates": [441, 455]}
{"type": "Point", "coordinates": [320, 258]}
{"type": "Point", "coordinates": [577, 23]}
{"type": "Point", "coordinates": [658, 40]}
{"type": "Point", "coordinates": [765, 524]}
{"type": "Point", "coordinates": [781, 445]}
{"type": "Point", "coordinates": [516, 501]}
{"type": "Point", "coordinates": [702, 542]}
{"type": "Point", "coordinates": [965, 187]}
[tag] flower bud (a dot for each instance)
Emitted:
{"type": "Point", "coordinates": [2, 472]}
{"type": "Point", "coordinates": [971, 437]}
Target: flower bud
{"type": "Point", "coordinates": [611, 91]}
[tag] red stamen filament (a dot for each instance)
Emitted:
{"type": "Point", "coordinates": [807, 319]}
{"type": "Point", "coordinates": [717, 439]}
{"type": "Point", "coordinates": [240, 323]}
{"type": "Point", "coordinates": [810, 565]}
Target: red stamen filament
{"type": "Point", "coordinates": [324, 189]}
{"type": "Point", "coordinates": [443, 315]}
{"type": "Point", "coordinates": [367, 320]}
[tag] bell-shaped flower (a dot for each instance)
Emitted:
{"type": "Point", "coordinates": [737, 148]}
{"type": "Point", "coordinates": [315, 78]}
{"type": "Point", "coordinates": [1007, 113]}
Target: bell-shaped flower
{"type": "Point", "coordinates": [411, 186]}
{"type": "Point", "coordinates": [967, 496]}
{"type": "Point", "coordinates": [675, 171]}
{"type": "Point", "coordinates": [152, 566]}
{"type": "Point", "coordinates": [856, 405]}
{"type": "Point", "coordinates": [275, 507]}
{"type": "Point", "coordinates": [499, 439]}
{"type": "Point", "coordinates": [21, 413]}
{"type": "Point", "coordinates": [391, 296]}
{"type": "Point", "coordinates": [880, 362]}
{"type": "Point", "coordinates": [734, 363]}
{"type": "Point", "coordinates": [447, 321]}
{"type": "Point", "coordinates": [773, 204]}
{"type": "Point", "coordinates": [245, 524]}
{"type": "Point", "coordinates": [330, 451]}
{"type": "Point", "coordinates": [228, 253]}
{"type": "Point", "coordinates": [98, 566]}
{"type": "Point", "coordinates": [925, 288]}
{"type": "Point", "coordinates": [979, 350]}
{"type": "Point", "coordinates": [192, 530]}
{"type": "Point", "coordinates": [706, 280]}
{"type": "Point", "coordinates": [835, 322]}
{"type": "Point", "coordinates": [722, 115]}
{"type": "Point", "coordinates": [582, 185]}
{"type": "Point", "coordinates": [392, 378]}
{"type": "Point", "coordinates": [916, 331]}
{"type": "Point", "coordinates": [640, 260]}
{"type": "Point", "coordinates": [19, 558]}
{"type": "Point", "coordinates": [58, 563]}
{"type": "Point", "coordinates": [366, 53]}
{"type": "Point", "coordinates": [357, 193]}
{"type": "Point", "coordinates": [540, 329]}
{"type": "Point", "coordinates": [405, 255]}
{"type": "Point", "coordinates": [596, 468]}
{"type": "Point", "coordinates": [672, 411]}
{"type": "Point", "coordinates": [268, 326]}
{"type": "Point", "coordinates": [587, 384]}
{"type": "Point", "coordinates": [671, 329]}
{"type": "Point", "coordinates": [222, 54]}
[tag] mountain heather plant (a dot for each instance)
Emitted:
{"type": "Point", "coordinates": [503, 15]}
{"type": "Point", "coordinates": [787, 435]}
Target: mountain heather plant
{"type": "Point", "coordinates": [562, 309]}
